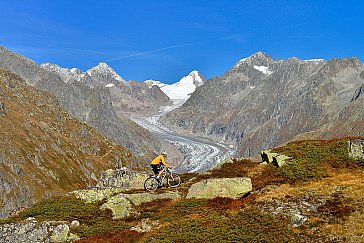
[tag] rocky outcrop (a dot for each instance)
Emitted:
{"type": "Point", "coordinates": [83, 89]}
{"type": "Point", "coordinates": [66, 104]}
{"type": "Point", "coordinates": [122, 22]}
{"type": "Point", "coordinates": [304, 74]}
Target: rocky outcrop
{"type": "Point", "coordinates": [221, 187]}
{"type": "Point", "coordinates": [356, 148]}
{"type": "Point", "coordinates": [357, 93]}
{"type": "Point", "coordinates": [261, 103]}
{"type": "Point", "coordinates": [276, 159]}
{"type": "Point", "coordinates": [31, 231]}
{"type": "Point", "coordinates": [1, 107]}
{"type": "Point", "coordinates": [122, 178]}
{"type": "Point", "coordinates": [44, 151]}
{"type": "Point", "coordinates": [124, 205]}
{"type": "Point", "coordinates": [145, 225]}
{"type": "Point", "coordinates": [62, 234]}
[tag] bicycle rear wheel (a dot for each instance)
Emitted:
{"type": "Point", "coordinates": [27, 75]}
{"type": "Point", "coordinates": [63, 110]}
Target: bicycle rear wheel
{"type": "Point", "coordinates": [174, 180]}
{"type": "Point", "coordinates": [151, 184]}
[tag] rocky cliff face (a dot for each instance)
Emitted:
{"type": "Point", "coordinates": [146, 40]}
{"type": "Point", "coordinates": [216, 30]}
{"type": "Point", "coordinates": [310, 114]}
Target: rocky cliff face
{"type": "Point", "coordinates": [261, 102]}
{"type": "Point", "coordinates": [44, 151]}
{"type": "Point", "coordinates": [91, 105]}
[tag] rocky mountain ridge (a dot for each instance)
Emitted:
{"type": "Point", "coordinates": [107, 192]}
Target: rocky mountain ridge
{"type": "Point", "coordinates": [261, 102]}
{"type": "Point", "coordinates": [127, 97]}
{"type": "Point", "coordinates": [105, 74]}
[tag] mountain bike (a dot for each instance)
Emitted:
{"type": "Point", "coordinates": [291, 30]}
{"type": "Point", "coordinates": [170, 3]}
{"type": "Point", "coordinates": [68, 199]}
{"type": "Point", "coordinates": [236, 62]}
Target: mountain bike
{"type": "Point", "coordinates": [153, 183]}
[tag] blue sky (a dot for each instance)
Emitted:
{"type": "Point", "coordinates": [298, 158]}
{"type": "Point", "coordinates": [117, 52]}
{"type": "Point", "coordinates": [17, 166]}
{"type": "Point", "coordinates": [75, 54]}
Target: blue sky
{"type": "Point", "coordinates": [166, 39]}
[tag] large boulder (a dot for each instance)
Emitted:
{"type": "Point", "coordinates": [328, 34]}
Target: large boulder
{"type": "Point", "coordinates": [122, 178]}
{"type": "Point", "coordinates": [119, 205]}
{"type": "Point", "coordinates": [62, 234]}
{"type": "Point", "coordinates": [123, 205]}
{"type": "Point", "coordinates": [221, 187]}
{"type": "Point", "coordinates": [356, 148]}
{"type": "Point", "coordinates": [96, 195]}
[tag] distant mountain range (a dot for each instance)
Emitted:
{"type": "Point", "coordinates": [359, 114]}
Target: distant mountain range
{"type": "Point", "coordinates": [127, 97]}
{"type": "Point", "coordinates": [260, 102]}
{"type": "Point", "coordinates": [85, 99]}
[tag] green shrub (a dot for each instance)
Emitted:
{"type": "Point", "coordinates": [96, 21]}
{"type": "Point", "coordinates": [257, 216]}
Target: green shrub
{"type": "Point", "coordinates": [312, 158]}
{"type": "Point", "coordinates": [93, 220]}
{"type": "Point", "coordinates": [247, 226]}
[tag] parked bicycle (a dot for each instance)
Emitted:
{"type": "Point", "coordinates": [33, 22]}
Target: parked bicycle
{"type": "Point", "coordinates": [153, 183]}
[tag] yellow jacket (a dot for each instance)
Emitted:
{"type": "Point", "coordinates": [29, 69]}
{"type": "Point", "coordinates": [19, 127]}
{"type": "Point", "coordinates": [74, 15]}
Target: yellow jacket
{"type": "Point", "coordinates": [159, 160]}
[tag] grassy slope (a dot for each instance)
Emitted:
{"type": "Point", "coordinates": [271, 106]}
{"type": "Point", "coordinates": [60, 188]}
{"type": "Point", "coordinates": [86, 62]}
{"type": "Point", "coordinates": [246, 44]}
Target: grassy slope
{"type": "Point", "coordinates": [333, 182]}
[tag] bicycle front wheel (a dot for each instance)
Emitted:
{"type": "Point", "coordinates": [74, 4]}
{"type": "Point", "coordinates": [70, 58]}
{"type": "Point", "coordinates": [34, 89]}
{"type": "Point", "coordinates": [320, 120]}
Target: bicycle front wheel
{"type": "Point", "coordinates": [174, 180]}
{"type": "Point", "coordinates": [151, 184]}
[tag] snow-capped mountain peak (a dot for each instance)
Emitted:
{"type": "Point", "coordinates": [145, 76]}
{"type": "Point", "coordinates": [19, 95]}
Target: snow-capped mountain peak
{"type": "Point", "coordinates": [64, 73]}
{"type": "Point", "coordinates": [259, 59]}
{"type": "Point", "coordinates": [103, 72]}
{"type": "Point", "coordinates": [180, 91]}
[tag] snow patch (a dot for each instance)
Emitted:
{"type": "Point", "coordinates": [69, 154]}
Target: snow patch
{"type": "Point", "coordinates": [263, 69]}
{"type": "Point", "coordinates": [315, 61]}
{"type": "Point", "coordinates": [110, 85]}
{"type": "Point", "coordinates": [252, 87]}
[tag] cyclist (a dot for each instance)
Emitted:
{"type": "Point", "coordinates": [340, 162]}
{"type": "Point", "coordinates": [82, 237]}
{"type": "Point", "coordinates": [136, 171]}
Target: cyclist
{"type": "Point", "coordinates": [158, 163]}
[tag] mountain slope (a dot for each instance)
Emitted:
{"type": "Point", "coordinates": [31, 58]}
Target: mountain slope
{"type": "Point", "coordinates": [261, 102]}
{"type": "Point", "coordinates": [91, 105]}
{"type": "Point", "coordinates": [44, 151]}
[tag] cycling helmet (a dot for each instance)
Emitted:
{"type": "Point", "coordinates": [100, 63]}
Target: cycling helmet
{"type": "Point", "coordinates": [164, 153]}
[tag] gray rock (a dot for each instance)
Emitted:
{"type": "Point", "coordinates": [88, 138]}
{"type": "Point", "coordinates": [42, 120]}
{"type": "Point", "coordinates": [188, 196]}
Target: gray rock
{"type": "Point", "coordinates": [357, 93]}
{"type": "Point", "coordinates": [298, 219]}
{"type": "Point", "coordinates": [145, 225]}
{"type": "Point", "coordinates": [24, 232]}
{"type": "Point", "coordinates": [221, 187]}
{"type": "Point", "coordinates": [75, 223]}
{"type": "Point", "coordinates": [276, 159]}
{"type": "Point", "coordinates": [356, 148]}
{"type": "Point", "coordinates": [1, 108]}
{"type": "Point", "coordinates": [60, 233]}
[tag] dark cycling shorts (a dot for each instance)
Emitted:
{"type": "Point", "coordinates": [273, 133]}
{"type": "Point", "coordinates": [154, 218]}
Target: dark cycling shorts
{"type": "Point", "coordinates": [156, 168]}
